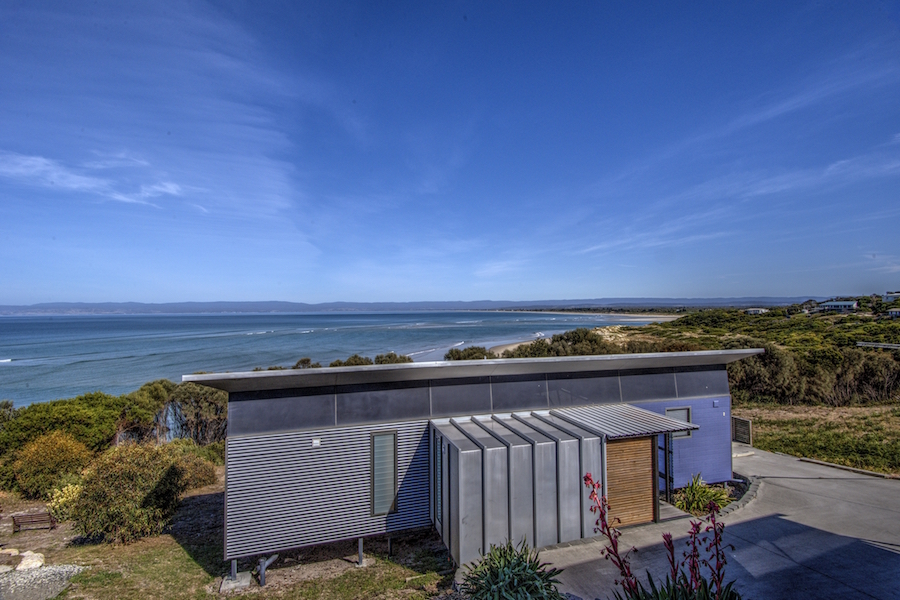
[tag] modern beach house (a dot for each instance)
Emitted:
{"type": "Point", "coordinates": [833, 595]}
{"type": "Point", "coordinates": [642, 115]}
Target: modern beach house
{"type": "Point", "coordinates": [483, 451]}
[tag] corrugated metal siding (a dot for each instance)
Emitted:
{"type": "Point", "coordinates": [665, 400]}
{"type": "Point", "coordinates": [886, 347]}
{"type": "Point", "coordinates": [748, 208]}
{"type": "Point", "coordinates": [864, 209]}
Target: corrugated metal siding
{"type": "Point", "coordinates": [629, 473]}
{"type": "Point", "coordinates": [621, 420]}
{"type": "Point", "coordinates": [284, 493]}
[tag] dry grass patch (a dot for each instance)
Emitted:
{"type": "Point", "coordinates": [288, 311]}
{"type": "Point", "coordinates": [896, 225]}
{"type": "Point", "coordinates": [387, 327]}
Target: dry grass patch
{"type": "Point", "coordinates": [865, 437]}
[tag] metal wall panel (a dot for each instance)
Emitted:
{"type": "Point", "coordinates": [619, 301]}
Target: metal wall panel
{"type": "Point", "coordinates": [462, 526]}
{"type": "Point", "coordinates": [518, 392]}
{"type": "Point", "coordinates": [495, 483]}
{"type": "Point", "coordinates": [521, 480]}
{"type": "Point", "coordinates": [574, 389]}
{"type": "Point", "coordinates": [697, 382]}
{"type": "Point", "coordinates": [546, 522]}
{"type": "Point", "coordinates": [470, 396]}
{"type": "Point", "coordinates": [287, 490]}
{"type": "Point", "coordinates": [378, 403]}
{"type": "Point", "coordinates": [286, 413]}
{"type": "Point", "coordinates": [568, 476]}
{"type": "Point", "coordinates": [648, 385]}
{"type": "Point", "coordinates": [591, 461]}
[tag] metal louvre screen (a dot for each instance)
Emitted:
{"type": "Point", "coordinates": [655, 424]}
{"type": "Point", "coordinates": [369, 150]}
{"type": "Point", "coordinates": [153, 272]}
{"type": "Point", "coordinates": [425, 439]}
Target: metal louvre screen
{"type": "Point", "coordinates": [310, 487]}
{"type": "Point", "coordinates": [384, 473]}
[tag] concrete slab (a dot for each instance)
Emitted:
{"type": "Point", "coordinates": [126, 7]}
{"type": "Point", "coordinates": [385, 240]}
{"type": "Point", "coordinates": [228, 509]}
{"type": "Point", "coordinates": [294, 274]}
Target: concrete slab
{"type": "Point", "coordinates": [243, 581]}
{"type": "Point", "coordinates": [812, 531]}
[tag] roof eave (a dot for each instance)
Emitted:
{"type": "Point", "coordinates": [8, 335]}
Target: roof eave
{"type": "Point", "coordinates": [305, 378]}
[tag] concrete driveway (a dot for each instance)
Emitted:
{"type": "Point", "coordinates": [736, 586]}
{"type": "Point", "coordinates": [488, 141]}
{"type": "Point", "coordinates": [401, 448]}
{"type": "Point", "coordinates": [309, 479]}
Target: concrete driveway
{"type": "Point", "coordinates": [812, 531]}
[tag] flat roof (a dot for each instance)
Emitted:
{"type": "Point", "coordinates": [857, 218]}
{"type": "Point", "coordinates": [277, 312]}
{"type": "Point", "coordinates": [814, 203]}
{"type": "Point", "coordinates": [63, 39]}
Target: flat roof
{"type": "Point", "coordinates": [458, 369]}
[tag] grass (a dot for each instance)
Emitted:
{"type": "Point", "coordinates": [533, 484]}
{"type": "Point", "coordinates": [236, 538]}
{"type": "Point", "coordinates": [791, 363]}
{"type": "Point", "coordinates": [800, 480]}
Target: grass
{"type": "Point", "coordinates": [159, 567]}
{"type": "Point", "coordinates": [861, 437]}
{"type": "Point", "coordinates": [186, 562]}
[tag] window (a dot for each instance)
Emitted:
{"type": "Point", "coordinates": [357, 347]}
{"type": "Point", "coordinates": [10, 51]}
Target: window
{"type": "Point", "coordinates": [384, 473]}
{"type": "Point", "coordinates": [438, 507]}
{"type": "Point", "coordinates": [682, 414]}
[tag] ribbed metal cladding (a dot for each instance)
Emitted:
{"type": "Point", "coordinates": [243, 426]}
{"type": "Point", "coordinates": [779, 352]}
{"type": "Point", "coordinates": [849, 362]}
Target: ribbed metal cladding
{"type": "Point", "coordinates": [618, 421]}
{"type": "Point", "coordinates": [296, 489]}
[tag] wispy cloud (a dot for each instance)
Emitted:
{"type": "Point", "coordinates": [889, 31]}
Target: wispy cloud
{"type": "Point", "coordinates": [44, 172]}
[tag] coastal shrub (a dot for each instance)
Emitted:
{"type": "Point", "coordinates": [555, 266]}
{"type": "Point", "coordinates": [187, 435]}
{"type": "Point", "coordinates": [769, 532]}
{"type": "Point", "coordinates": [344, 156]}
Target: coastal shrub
{"type": "Point", "coordinates": [198, 412]}
{"type": "Point", "coordinates": [129, 492]}
{"type": "Point", "coordinates": [354, 360]}
{"type": "Point", "coordinates": [197, 471]}
{"type": "Point", "coordinates": [470, 353]}
{"type": "Point", "coordinates": [141, 417]}
{"type": "Point", "coordinates": [306, 363]}
{"type": "Point", "coordinates": [62, 501]}
{"type": "Point", "coordinates": [46, 461]}
{"type": "Point", "coordinates": [392, 358]}
{"type": "Point", "coordinates": [513, 573]}
{"type": "Point", "coordinates": [92, 419]}
{"type": "Point", "coordinates": [695, 498]}
{"type": "Point", "coordinates": [214, 453]}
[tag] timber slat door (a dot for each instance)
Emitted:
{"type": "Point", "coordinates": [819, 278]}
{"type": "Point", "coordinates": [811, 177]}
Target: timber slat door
{"type": "Point", "coordinates": [630, 477]}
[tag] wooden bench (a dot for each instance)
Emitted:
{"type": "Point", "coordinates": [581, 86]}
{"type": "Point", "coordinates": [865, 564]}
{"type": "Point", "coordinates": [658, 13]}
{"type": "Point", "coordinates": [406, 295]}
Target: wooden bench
{"type": "Point", "coordinates": [39, 520]}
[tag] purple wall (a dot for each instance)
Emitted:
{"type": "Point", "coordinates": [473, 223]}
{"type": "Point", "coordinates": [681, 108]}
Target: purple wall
{"type": "Point", "coordinates": [708, 450]}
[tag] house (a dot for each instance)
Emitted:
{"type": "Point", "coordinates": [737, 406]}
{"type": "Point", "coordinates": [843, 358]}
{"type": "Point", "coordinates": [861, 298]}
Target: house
{"type": "Point", "coordinates": [839, 305]}
{"type": "Point", "coordinates": [483, 451]}
{"type": "Point", "coordinates": [890, 296]}
{"type": "Point", "coordinates": [893, 313]}
{"type": "Point", "coordinates": [756, 311]}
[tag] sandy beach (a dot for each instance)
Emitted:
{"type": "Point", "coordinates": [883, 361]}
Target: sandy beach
{"type": "Point", "coordinates": [609, 332]}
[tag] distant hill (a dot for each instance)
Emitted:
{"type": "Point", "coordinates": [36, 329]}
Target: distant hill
{"type": "Point", "coordinates": [141, 308]}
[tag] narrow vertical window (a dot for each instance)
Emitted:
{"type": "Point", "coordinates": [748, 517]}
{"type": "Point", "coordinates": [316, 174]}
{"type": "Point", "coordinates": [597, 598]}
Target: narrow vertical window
{"type": "Point", "coordinates": [438, 495]}
{"type": "Point", "coordinates": [384, 473]}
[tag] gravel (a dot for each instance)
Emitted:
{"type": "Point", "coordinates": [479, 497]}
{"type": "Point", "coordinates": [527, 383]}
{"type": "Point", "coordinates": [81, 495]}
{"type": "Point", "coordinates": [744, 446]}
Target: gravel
{"type": "Point", "coordinates": [36, 584]}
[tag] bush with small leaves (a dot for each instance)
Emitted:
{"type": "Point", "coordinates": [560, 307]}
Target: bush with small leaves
{"type": "Point", "coordinates": [62, 501]}
{"type": "Point", "coordinates": [196, 471]}
{"type": "Point", "coordinates": [45, 462]}
{"type": "Point", "coordinates": [511, 573]}
{"type": "Point", "coordinates": [128, 492]}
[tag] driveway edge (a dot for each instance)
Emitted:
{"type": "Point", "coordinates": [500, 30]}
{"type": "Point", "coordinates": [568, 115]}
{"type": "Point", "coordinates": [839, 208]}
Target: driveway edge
{"type": "Point", "coordinates": [749, 495]}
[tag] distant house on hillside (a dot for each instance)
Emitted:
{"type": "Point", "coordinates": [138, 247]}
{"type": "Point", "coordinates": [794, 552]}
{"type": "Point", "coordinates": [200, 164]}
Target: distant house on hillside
{"type": "Point", "coordinates": [890, 296]}
{"type": "Point", "coordinates": [756, 311]}
{"type": "Point", "coordinates": [894, 313]}
{"type": "Point", "coordinates": [839, 305]}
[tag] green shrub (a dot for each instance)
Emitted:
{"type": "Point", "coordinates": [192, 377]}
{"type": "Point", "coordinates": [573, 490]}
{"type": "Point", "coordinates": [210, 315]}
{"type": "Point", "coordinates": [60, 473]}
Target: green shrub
{"type": "Point", "coordinates": [695, 498]}
{"type": "Point", "coordinates": [196, 471]}
{"type": "Point", "coordinates": [62, 501]}
{"type": "Point", "coordinates": [511, 573]}
{"type": "Point", "coordinates": [129, 492]}
{"type": "Point", "coordinates": [43, 464]}
{"type": "Point", "coordinates": [214, 453]}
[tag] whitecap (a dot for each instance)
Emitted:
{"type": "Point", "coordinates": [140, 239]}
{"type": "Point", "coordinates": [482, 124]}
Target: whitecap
{"type": "Point", "coordinates": [5, 360]}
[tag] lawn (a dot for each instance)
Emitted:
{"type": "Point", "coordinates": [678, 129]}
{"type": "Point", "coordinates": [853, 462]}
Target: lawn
{"type": "Point", "coordinates": [865, 437]}
{"type": "Point", "coordinates": [186, 562]}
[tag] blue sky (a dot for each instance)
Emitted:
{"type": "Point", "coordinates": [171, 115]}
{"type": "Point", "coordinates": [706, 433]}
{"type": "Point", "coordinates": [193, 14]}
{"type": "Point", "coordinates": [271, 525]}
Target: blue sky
{"type": "Point", "coordinates": [313, 152]}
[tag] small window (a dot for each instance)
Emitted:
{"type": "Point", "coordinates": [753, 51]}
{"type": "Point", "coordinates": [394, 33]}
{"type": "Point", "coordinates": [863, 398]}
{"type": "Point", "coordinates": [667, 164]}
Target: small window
{"type": "Point", "coordinates": [682, 414]}
{"type": "Point", "coordinates": [438, 491]}
{"type": "Point", "coordinates": [384, 473]}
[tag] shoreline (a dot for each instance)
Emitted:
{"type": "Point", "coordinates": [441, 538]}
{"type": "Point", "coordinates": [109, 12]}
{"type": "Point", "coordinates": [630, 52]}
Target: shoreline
{"type": "Point", "coordinates": [501, 348]}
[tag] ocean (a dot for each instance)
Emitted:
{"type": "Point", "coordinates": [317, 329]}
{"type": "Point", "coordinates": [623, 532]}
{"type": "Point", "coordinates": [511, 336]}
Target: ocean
{"type": "Point", "coordinates": [48, 357]}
